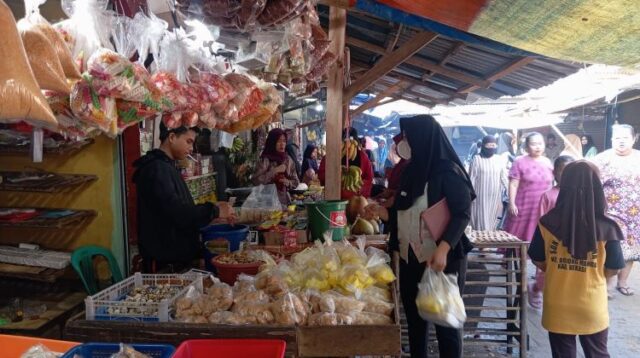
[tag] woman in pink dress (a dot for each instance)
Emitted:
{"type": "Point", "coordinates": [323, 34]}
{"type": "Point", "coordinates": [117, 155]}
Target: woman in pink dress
{"type": "Point", "coordinates": [530, 176]}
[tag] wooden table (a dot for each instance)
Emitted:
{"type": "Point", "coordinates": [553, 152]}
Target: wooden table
{"type": "Point", "coordinates": [326, 341]}
{"type": "Point", "coordinates": [60, 306]}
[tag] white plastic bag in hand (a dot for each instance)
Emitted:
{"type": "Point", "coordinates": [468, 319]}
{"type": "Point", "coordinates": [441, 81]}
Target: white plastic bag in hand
{"type": "Point", "coordinates": [439, 300]}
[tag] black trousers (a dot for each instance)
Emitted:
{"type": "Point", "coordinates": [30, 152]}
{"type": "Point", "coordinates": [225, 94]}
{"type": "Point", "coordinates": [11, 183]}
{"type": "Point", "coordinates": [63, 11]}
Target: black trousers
{"type": "Point", "coordinates": [593, 345]}
{"type": "Point", "coordinates": [449, 339]}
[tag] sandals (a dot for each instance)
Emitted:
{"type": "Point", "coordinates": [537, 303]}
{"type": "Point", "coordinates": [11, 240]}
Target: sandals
{"type": "Point", "coordinates": [627, 291]}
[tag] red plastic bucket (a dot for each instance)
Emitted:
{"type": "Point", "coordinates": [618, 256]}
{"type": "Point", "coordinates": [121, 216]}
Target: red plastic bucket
{"type": "Point", "coordinates": [231, 348]}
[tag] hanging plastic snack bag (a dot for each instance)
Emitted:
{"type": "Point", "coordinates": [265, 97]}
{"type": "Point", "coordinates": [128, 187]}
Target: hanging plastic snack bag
{"type": "Point", "coordinates": [55, 39]}
{"type": "Point", "coordinates": [116, 76]}
{"type": "Point", "coordinates": [42, 58]}
{"type": "Point", "coordinates": [131, 113]}
{"type": "Point", "coordinates": [146, 32]}
{"type": "Point", "coordinates": [87, 29]}
{"type": "Point", "coordinates": [248, 96]}
{"type": "Point", "coordinates": [439, 300]}
{"type": "Point", "coordinates": [218, 90]}
{"type": "Point", "coordinates": [20, 96]}
{"type": "Point", "coordinates": [97, 111]}
{"type": "Point", "coordinates": [278, 10]}
{"type": "Point", "coordinates": [322, 67]}
{"type": "Point", "coordinates": [123, 37]}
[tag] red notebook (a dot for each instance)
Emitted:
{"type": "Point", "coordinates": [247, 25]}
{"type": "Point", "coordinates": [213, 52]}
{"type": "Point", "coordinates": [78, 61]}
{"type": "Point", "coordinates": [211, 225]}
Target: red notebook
{"type": "Point", "coordinates": [435, 219]}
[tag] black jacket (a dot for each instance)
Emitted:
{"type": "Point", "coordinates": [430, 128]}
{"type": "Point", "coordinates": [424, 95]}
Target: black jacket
{"type": "Point", "coordinates": [447, 182]}
{"type": "Point", "coordinates": [168, 219]}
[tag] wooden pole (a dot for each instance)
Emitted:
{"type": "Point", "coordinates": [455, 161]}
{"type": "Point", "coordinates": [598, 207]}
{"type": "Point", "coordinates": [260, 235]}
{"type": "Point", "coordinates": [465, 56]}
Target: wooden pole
{"type": "Point", "coordinates": [335, 86]}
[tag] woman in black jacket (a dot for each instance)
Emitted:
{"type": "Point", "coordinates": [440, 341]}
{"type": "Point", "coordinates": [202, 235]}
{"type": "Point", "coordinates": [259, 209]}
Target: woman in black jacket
{"type": "Point", "coordinates": [434, 173]}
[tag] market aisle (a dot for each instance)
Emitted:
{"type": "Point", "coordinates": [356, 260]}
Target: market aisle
{"type": "Point", "coordinates": [624, 334]}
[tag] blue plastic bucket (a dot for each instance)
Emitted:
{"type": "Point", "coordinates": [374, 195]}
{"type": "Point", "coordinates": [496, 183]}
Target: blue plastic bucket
{"type": "Point", "coordinates": [221, 239]}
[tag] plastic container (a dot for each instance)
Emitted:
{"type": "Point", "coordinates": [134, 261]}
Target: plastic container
{"type": "Point", "coordinates": [231, 348]}
{"type": "Point", "coordinates": [326, 216]}
{"type": "Point", "coordinates": [15, 346]}
{"type": "Point", "coordinates": [106, 350]}
{"type": "Point", "coordinates": [228, 273]}
{"type": "Point", "coordinates": [98, 306]}
{"type": "Point", "coordinates": [222, 239]}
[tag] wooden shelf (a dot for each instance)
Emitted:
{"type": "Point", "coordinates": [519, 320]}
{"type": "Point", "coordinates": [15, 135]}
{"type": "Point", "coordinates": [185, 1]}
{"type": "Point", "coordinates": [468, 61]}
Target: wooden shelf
{"type": "Point", "coordinates": [46, 183]}
{"type": "Point", "coordinates": [76, 218]}
{"type": "Point", "coordinates": [200, 177]}
{"type": "Point", "coordinates": [32, 273]}
{"type": "Point", "coordinates": [66, 148]}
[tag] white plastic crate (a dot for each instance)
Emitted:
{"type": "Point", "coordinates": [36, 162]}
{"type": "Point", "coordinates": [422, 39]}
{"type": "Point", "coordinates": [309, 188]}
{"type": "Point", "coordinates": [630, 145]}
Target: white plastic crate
{"type": "Point", "coordinates": [109, 304]}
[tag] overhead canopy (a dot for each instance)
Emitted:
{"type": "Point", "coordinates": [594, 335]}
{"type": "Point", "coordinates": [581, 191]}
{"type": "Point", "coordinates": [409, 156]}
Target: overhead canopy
{"type": "Point", "coordinates": [449, 66]}
{"type": "Point", "coordinates": [591, 31]}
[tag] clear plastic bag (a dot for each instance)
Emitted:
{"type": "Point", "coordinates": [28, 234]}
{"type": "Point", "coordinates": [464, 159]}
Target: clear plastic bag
{"type": "Point", "coordinates": [146, 32]}
{"type": "Point", "coordinates": [40, 351]}
{"type": "Point", "coordinates": [260, 204]}
{"type": "Point", "coordinates": [439, 300]}
{"type": "Point", "coordinates": [127, 351]}
{"type": "Point", "coordinates": [43, 59]}
{"type": "Point", "coordinates": [289, 310]}
{"type": "Point", "coordinates": [32, 15]}
{"type": "Point", "coordinates": [20, 96]}
{"type": "Point", "coordinates": [330, 319]}
{"type": "Point", "coordinates": [88, 27]}
{"type": "Point", "coordinates": [379, 269]}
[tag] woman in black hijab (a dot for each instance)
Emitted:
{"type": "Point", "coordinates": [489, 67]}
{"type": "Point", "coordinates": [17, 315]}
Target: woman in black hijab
{"type": "Point", "coordinates": [434, 172]}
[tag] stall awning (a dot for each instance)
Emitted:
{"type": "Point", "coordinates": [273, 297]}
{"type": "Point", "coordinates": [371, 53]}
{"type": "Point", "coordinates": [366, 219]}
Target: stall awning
{"type": "Point", "coordinates": [591, 31]}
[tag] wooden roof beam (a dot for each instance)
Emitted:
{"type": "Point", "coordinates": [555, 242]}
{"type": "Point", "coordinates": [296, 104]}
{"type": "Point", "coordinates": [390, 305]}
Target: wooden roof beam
{"type": "Point", "coordinates": [379, 97]}
{"type": "Point", "coordinates": [388, 62]}
{"type": "Point", "coordinates": [392, 42]}
{"type": "Point", "coordinates": [423, 64]}
{"type": "Point", "coordinates": [451, 53]}
{"type": "Point", "coordinates": [512, 66]}
{"type": "Point", "coordinates": [409, 91]}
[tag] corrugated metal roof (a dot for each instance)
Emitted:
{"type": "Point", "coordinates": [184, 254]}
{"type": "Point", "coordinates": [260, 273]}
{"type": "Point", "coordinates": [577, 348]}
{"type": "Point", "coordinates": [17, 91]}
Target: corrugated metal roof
{"type": "Point", "coordinates": [475, 61]}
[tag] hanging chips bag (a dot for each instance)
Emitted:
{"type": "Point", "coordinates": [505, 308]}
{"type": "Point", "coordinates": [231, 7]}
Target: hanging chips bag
{"type": "Point", "coordinates": [20, 96]}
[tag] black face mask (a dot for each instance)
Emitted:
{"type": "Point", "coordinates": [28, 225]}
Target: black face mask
{"type": "Point", "coordinates": [487, 152]}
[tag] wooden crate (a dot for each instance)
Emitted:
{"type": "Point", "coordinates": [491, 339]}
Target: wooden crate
{"type": "Point", "coordinates": [345, 341]}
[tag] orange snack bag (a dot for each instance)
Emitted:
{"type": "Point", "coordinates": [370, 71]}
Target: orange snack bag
{"type": "Point", "coordinates": [20, 96]}
{"type": "Point", "coordinates": [42, 58]}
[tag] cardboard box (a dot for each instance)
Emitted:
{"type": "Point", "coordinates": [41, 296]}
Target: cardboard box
{"type": "Point", "coordinates": [275, 238]}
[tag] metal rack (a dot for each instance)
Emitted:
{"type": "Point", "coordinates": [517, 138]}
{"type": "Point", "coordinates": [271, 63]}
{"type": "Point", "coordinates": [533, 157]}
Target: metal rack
{"type": "Point", "coordinates": [41, 181]}
{"type": "Point", "coordinates": [504, 322]}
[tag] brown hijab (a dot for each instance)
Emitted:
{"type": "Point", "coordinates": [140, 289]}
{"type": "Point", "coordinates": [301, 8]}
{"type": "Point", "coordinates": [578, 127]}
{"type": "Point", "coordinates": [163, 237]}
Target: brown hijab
{"type": "Point", "coordinates": [578, 220]}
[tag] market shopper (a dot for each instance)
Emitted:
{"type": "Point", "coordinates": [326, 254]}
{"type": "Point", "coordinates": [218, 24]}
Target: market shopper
{"type": "Point", "coordinates": [552, 149]}
{"type": "Point", "coordinates": [276, 166]}
{"type": "Point", "coordinates": [547, 202]}
{"type": "Point", "coordinates": [362, 161]}
{"type": "Point", "coordinates": [434, 172]}
{"type": "Point", "coordinates": [168, 219]}
{"type": "Point", "coordinates": [620, 170]}
{"type": "Point", "coordinates": [488, 174]}
{"type": "Point", "coordinates": [382, 153]}
{"type": "Point", "coordinates": [589, 149]}
{"type": "Point", "coordinates": [506, 146]}
{"type": "Point", "coordinates": [530, 176]}
{"type": "Point", "coordinates": [387, 197]}
{"type": "Point", "coordinates": [293, 150]}
{"type": "Point", "coordinates": [309, 164]}
{"type": "Point", "coordinates": [578, 247]}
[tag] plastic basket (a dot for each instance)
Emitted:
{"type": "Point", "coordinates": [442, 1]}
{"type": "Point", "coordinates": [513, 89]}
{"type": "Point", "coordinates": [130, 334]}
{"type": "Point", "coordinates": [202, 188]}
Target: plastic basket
{"type": "Point", "coordinates": [231, 348]}
{"type": "Point", "coordinates": [15, 346]}
{"type": "Point", "coordinates": [106, 350]}
{"type": "Point", "coordinates": [101, 305]}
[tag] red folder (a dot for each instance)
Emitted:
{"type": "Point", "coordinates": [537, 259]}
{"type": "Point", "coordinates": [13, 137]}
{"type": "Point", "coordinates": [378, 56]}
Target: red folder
{"type": "Point", "coordinates": [435, 219]}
